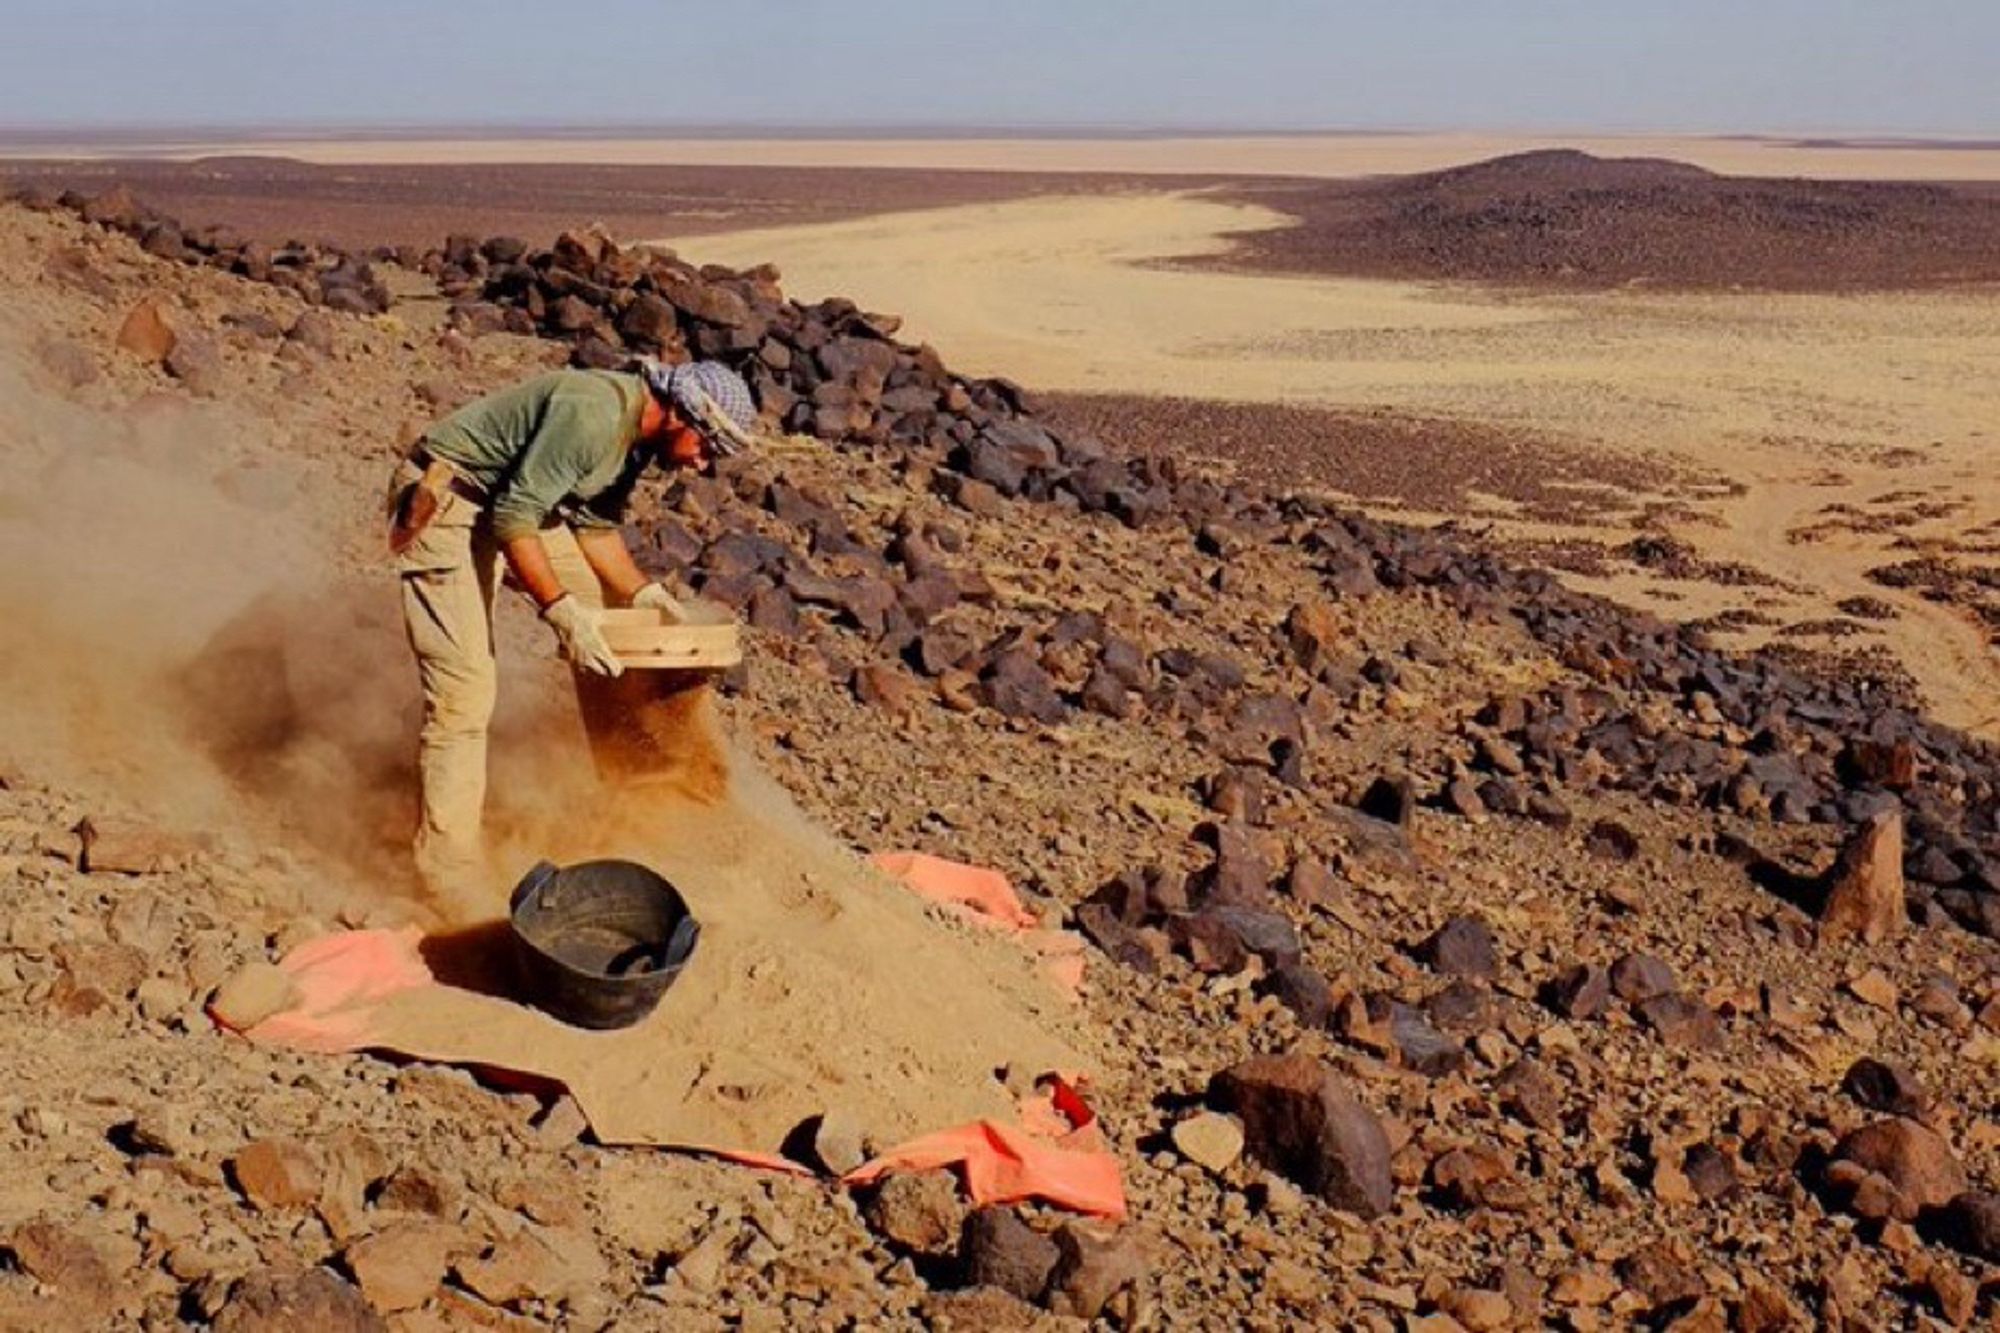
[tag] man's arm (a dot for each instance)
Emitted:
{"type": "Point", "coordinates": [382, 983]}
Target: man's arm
{"type": "Point", "coordinates": [529, 560]}
{"type": "Point", "coordinates": [604, 550]}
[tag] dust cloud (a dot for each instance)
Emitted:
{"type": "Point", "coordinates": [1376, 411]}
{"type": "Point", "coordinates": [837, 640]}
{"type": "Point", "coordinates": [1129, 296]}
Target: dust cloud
{"type": "Point", "coordinates": [179, 639]}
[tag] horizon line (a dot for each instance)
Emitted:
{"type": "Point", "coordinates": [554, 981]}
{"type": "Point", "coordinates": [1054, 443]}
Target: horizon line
{"type": "Point", "coordinates": [403, 131]}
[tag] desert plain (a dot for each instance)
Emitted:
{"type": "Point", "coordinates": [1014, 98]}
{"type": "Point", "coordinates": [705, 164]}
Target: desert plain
{"type": "Point", "coordinates": [1490, 670]}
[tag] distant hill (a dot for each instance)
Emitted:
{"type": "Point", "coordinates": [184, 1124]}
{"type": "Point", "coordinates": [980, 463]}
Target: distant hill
{"type": "Point", "coordinates": [1565, 217]}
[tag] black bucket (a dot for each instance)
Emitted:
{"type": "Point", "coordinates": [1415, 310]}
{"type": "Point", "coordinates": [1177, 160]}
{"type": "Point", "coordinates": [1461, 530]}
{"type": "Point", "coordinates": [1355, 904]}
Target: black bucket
{"type": "Point", "coordinates": [598, 943]}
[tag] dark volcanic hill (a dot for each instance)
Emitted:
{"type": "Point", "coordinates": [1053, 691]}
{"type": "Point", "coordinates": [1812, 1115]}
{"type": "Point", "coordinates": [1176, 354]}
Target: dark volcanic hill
{"type": "Point", "coordinates": [1569, 218]}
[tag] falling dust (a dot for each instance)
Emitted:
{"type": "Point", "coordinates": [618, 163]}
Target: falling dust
{"type": "Point", "coordinates": [182, 643]}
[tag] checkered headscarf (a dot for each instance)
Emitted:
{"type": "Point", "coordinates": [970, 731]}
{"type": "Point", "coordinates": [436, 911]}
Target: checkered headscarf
{"type": "Point", "coordinates": [709, 396]}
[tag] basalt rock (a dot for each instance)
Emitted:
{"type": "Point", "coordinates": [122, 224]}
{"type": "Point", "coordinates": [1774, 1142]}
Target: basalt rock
{"type": "Point", "coordinates": [1303, 1122]}
{"type": "Point", "coordinates": [1462, 947]}
{"type": "Point", "coordinates": [1895, 1167]}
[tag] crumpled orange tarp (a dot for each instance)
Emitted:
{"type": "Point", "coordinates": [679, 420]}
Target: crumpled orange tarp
{"type": "Point", "coordinates": [987, 897]}
{"type": "Point", "coordinates": [340, 979]}
{"type": "Point", "coordinates": [1056, 1154]}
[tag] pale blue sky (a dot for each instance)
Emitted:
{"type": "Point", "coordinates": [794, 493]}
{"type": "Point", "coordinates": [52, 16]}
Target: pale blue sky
{"type": "Point", "coordinates": [1916, 67]}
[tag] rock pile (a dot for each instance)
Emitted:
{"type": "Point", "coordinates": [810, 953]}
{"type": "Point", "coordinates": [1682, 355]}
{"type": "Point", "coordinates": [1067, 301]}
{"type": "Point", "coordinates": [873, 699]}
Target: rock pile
{"type": "Point", "coordinates": [320, 275]}
{"type": "Point", "coordinates": [829, 370]}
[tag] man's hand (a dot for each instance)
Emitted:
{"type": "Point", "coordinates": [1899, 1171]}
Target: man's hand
{"type": "Point", "coordinates": [582, 641]}
{"type": "Point", "coordinates": [655, 595]}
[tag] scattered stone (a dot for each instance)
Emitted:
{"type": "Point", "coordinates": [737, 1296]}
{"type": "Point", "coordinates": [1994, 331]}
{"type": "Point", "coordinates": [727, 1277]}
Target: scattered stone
{"type": "Point", "coordinates": [1419, 1046]}
{"type": "Point", "coordinates": [1477, 1309]}
{"type": "Point", "coordinates": [277, 1173]}
{"type": "Point", "coordinates": [1637, 978]}
{"type": "Point", "coordinates": [1299, 1119]}
{"type": "Point", "coordinates": [1874, 987]}
{"type": "Point", "coordinates": [700, 1267]}
{"type": "Point", "coordinates": [57, 1258]}
{"type": "Point", "coordinates": [1462, 947]}
{"type": "Point", "coordinates": [1914, 1161]}
{"type": "Point", "coordinates": [313, 330]}
{"type": "Point", "coordinates": [1765, 1308]}
{"type": "Point", "coordinates": [885, 686]}
{"type": "Point", "coordinates": [400, 1267]}
{"type": "Point", "coordinates": [1305, 992]}
{"type": "Point", "coordinates": [516, 1271]}
{"type": "Point", "coordinates": [1209, 1140]}
{"type": "Point", "coordinates": [1477, 1177]}
{"type": "Point", "coordinates": [1579, 992]}
{"type": "Point", "coordinates": [1664, 1272]}
{"type": "Point", "coordinates": [197, 363]}
{"type": "Point", "coordinates": [1224, 938]}
{"type": "Point", "coordinates": [145, 333]}
{"type": "Point", "coordinates": [1955, 1295]}
{"type": "Point", "coordinates": [1709, 1172]}
{"type": "Point", "coordinates": [1528, 1093]}
{"type": "Point", "coordinates": [274, 1302]}
{"type": "Point", "coordinates": [1460, 1006]}
{"type": "Point", "coordinates": [1885, 1086]}
{"type": "Point", "coordinates": [1681, 1022]}
{"type": "Point", "coordinates": [839, 1145]}
{"type": "Point", "coordinates": [1314, 633]}
{"type": "Point", "coordinates": [1863, 896]}
{"type": "Point", "coordinates": [1311, 884]}
{"type": "Point", "coordinates": [1092, 1268]}
{"type": "Point", "coordinates": [1970, 1223]}
{"type": "Point", "coordinates": [1584, 1287]}
{"type": "Point", "coordinates": [918, 1212]}
{"type": "Point", "coordinates": [1611, 841]}
{"type": "Point", "coordinates": [997, 1249]}
{"type": "Point", "coordinates": [252, 994]}
{"type": "Point", "coordinates": [414, 1189]}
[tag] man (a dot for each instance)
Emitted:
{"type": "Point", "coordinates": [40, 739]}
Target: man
{"type": "Point", "coordinates": [538, 475]}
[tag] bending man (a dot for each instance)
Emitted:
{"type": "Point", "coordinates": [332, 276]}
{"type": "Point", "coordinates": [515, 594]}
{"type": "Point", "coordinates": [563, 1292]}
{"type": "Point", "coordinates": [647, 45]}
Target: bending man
{"type": "Point", "coordinates": [539, 475]}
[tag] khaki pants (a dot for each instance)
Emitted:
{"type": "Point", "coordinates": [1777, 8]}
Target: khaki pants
{"type": "Point", "coordinates": [448, 578]}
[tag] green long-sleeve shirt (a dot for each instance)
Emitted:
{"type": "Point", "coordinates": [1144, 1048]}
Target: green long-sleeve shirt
{"type": "Point", "coordinates": [555, 445]}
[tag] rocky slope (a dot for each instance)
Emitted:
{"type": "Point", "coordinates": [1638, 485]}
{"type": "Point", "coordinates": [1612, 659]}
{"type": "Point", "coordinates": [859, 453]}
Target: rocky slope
{"type": "Point", "coordinates": [1476, 955]}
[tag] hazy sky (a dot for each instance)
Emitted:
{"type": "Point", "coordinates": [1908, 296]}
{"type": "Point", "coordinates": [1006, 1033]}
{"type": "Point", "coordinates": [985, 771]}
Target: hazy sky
{"type": "Point", "coordinates": [1893, 66]}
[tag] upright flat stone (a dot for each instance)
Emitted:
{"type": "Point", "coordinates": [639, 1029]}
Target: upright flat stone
{"type": "Point", "coordinates": [1301, 1120]}
{"type": "Point", "coordinates": [1864, 890]}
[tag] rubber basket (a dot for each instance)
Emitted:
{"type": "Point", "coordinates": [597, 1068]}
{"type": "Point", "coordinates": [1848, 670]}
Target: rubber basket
{"type": "Point", "coordinates": [598, 943]}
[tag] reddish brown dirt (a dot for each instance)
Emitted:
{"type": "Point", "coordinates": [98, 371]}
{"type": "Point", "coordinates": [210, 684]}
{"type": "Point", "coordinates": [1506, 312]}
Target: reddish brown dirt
{"type": "Point", "coordinates": [278, 199]}
{"type": "Point", "coordinates": [1384, 458]}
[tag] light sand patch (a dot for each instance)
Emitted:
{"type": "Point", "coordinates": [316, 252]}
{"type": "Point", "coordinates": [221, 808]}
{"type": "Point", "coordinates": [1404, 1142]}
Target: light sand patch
{"type": "Point", "coordinates": [1328, 155]}
{"type": "Point", "coordinates": [1799, 402]}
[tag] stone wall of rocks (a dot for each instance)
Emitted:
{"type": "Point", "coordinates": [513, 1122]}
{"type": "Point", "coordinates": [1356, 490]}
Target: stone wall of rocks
{"type": "Point", "coordinates": [321, 275]}
{"type": "Point", "coordinates": [829, 370]}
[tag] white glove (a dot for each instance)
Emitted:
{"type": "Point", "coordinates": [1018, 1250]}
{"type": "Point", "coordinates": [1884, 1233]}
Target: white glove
{"type": "Point", "coordinates": [656, 596]}
{"type": "Point", "coordinates": [582, 641]}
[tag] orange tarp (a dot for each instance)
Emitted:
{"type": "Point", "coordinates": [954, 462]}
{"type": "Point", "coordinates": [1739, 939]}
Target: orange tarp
{"type": "Point", "coordinates": [1056, 1153]}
